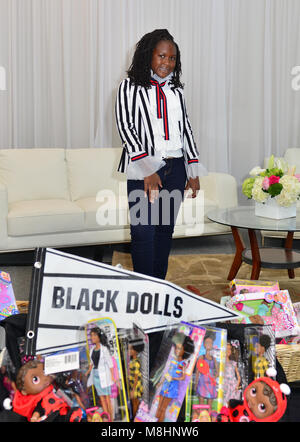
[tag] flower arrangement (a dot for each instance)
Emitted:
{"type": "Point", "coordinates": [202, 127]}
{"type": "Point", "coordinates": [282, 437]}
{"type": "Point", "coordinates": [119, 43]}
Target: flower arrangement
{"type": "Point", "coordinates": [278, 181]}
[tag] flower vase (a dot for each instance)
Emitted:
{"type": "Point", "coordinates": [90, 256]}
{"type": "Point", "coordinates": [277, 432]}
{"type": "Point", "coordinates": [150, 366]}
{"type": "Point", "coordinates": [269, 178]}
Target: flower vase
{"type": "Point", "coordinates": [270, 209]}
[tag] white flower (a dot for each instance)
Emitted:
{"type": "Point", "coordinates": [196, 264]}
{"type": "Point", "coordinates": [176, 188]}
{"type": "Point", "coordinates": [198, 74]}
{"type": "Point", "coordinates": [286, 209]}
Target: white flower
{"type": "Point", "coordinates": [290, 191]}
{"type": "Point", "coordinates": [281, 163]}
{"type": "Point", "coordinates": [257, 192]}
{"type": "Point", "coordinates": [256, 171]}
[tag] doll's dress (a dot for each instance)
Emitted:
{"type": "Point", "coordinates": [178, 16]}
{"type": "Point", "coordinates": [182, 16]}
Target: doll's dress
{"type": "Point", "coordinates": [135, 370]}
{"type": "Point", "coordinates": [206, 387]}
{"type": "Point", "coordinates": [170, 388]}
{"type": "Point", "coordinates": [260, 366]}
{"type": "Point", "coordinates": [230, 382]}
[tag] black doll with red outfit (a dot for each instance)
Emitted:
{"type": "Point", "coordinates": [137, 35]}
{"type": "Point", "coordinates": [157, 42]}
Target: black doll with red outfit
{"type": "Point", "coordinates": [264, 401]}
{"type": "Point", "coordinates": [36, 398]}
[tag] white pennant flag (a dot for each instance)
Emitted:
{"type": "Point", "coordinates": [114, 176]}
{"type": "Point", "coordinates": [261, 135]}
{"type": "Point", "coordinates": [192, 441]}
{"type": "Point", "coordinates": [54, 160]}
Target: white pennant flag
{"type": "Point", "coordinates": [67, 291]}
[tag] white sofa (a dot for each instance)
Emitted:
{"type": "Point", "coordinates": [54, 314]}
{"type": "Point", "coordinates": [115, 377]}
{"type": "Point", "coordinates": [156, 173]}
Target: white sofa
{"type": "Point", "coordinates": [292, 156]}
{"type": "Point", "coordinates": [48, 198]}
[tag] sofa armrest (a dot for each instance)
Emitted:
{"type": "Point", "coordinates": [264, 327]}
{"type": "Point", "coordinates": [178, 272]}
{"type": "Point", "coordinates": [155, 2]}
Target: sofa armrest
{"type": "Point", "coordinates": [3, 211]}
{"type": "Point", "coordinates": [220, 188]}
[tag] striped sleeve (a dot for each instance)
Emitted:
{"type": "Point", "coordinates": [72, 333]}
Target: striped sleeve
{"type": "Point", "coordinates": [125, 110]}
{"type": "Point", "coordinates": [189, 144]}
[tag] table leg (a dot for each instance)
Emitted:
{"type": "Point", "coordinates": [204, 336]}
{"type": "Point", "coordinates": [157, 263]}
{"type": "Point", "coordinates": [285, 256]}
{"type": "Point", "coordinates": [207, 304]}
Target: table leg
{"type": "Point", "coordinates": [239, 247]}
{"type": "Point", "coordinates": [255, 254]}
{"type": "Point", "coordinates": [289, 245]}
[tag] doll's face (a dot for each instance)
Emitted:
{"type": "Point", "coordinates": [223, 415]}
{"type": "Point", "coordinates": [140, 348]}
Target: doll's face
{"type": "Point", "coordinates": [258, 402]}
{"type": "Point", "coordinates": [164, 58]}
{"type": "Point", "coordinates": [260, 350]}
{"type": "Point", "coordinates": [35, 380]}
{"type": "Point", "coordinates": [228, 352]}
{"type": "Point", "coordinates": [95, 338]}
{"type": "Point", "coordinates": [208, 343]}
{"type": "Point", "coordinates": [179, 350]}
{"type": "Point", "coordinates": [132, 352]}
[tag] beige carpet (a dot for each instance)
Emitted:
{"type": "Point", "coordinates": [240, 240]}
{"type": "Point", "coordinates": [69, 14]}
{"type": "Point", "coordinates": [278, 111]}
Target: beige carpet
{"type": "Point", "coordinates": [208, 273]}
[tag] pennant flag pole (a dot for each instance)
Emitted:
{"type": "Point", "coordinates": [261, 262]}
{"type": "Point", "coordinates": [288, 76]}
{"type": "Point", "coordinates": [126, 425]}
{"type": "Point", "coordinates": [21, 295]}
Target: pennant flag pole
{"type": "Point", "coordinates": [67, 291]}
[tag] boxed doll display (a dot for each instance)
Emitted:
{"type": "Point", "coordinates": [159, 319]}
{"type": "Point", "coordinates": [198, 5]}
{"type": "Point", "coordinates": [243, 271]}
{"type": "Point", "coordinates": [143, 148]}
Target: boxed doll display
{"type": "Point", "coordinates": [171, 374]}
{"type": "Point", "coordinates": [251, 286]}
{"type": "Point", "coordinates": [271, 308]}
{"type": "Point", "coordinates": [208, 377]}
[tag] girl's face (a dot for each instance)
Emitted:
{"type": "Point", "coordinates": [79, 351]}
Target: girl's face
{"type": "Point", "coordinates": [164, 58]}
{"type": "Point", "coordinates": [95, 338]}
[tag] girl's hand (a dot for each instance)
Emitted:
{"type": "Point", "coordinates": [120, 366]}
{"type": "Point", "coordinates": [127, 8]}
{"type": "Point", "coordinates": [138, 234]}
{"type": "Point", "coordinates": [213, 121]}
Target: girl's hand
{"type": "Point", "coordinates": [194, 184]}
{"type": "Point", "coordinates": [151, 186]}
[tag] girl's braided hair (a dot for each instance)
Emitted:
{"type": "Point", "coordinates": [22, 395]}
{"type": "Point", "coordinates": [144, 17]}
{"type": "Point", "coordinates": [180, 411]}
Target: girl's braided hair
{"type": "Point", "coordinates": [139, 71]}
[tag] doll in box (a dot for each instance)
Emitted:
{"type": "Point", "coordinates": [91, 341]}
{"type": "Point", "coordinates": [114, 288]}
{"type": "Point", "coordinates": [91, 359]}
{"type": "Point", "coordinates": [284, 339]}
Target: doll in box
{"type": "Point", "coordinates": [36, 398]}
{"type": "Point", "coordinates": [261, 363]}
{"type": "Point", "coordinates": [232, 378]}
{"type": "Point", "coordinates": [135, 375]}
{"type": "Point", "coordinates": [207, 371]}
{"type": "Point", "coordinates": [264, 401]}
{"type": "Point", "coordinates": [101, 370]}
{"type": "Point", "coordinates": [183, 349]}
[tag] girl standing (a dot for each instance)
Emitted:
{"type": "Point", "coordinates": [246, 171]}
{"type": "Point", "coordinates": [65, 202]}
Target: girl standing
{"type": "Point", "coordinates": [159, 152]}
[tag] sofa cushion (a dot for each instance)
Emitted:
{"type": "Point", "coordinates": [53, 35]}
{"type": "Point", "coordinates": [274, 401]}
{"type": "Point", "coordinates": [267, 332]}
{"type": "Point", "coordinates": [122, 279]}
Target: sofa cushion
{"type": "Point", "coordinates": [93, 169]}
{"type": "Point", "coordinates": [44, 216]}
{"type": "Point", "coordinates": [194, 210]}
{"type": "Point", "coordinates": [34, 174]}
{"type": "Point", "coordinates": [104, 214]}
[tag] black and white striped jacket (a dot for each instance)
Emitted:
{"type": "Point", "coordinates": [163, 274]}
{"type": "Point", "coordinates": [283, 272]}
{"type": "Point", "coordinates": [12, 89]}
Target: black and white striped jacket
{"type": "Point", "coordinates": [134, 124]}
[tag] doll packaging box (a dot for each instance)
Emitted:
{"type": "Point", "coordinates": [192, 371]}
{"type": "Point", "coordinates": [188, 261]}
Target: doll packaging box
{"type": "Point", "coordinates": [205, 395]}
{"type": "Point", "coordinates": [134, 344]}
{"type": "Point", "coordinates": [8, 304]}
{"type": "Point", "coordinates": [100, 362]}
{"type": "Point", "coordinates": [259, 351]}
{"type": "Point", "coordinates": [270, 308]}
{"type": "Point", "coordinates": [250, 286]}
{"type": "Point", "coordinates": [171, 375]}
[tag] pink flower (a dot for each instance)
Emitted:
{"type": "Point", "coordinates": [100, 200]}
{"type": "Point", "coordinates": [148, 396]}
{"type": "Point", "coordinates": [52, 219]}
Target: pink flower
{"type": "Point", "coordinates": [273, 179]}
{"type": "Point", "coordinates": [266, 183]}
{"type": "Point", "coordinates": [297, 175]}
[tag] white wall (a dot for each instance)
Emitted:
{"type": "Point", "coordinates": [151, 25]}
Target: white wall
{"type": "Point", "coordinates": [64, 60]}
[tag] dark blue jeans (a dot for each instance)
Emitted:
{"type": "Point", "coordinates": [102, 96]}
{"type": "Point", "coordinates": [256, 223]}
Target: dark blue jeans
{"type": "Point", "coordinates": [152, 224]}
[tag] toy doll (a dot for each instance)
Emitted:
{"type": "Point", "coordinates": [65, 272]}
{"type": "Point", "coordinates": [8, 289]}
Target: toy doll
{"type": "Point", "coordinates": [264, 401]}
{"type": "Point", "coordinates": [201, 413]}
{"type": "Point", "coordinates": [261, 364]}
{"type": "Point", "coordinates": [232, 378]}
{"type": "Point", "coordinates": [135, 375]}
{"type": "Point", "coordinates": [183, 348]}
{"type": "Point", "coordinates": [36, 398]}
{"type": "Point", "coordinates": [207, 371]}
{"type": "Point", "coordinates": [101, 370]}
